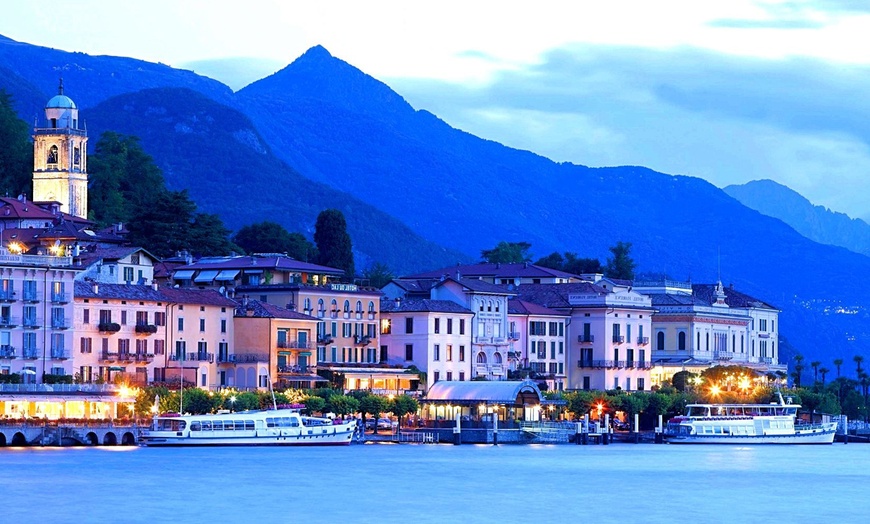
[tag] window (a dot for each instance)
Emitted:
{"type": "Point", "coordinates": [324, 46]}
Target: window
{"type": "Point", "coordinates": [346, 328]}
{"type": "Point", "coordinates": [105, 316]}
{"type": "Point", "coordinates": [640, 384]}
{"type": "Point", "coordinates": [141, 318]}
{"type": "Point", "coordinates": [461, 326]}
{"type": "Point", "coordinates": [128, 274]}
{"type": "Point", "coordinates": [86, 316]}
{"type": "Point", "coordinates": [554, 329]}
{"type": "Point", "coordinates": [449, 352]}
{"type": "Point", "coordinates": [538, 328]}
{"type": "Point", "coordinates": [462, 354]}
{"type": "Point", "coordinates": [202, 325]}
{"type": "Point", "coordinates": [386, 326]}
{"type": "Point", "coordinates": [660, 340]}
{"type": "Point", "coordinates": [223, 325]}
{"type": "Point", "coordinates": [409, 352]}
{"type": "Point", "coordinates": [461, 376]}
{"type": "Point", "coordinates": [437, 325]}
{"type": "Point", "coordinates": [159, 318]}
{"type": "Point", "coordinates": [86, 345]}
{"type": "Point", "coordinates": [123, 318]}
{"type": "Point", "coordinates": [681, 341]}
{"type": "Point", "coordinates": [437, 376]}
{"type": "Point", "coordinates": [385, 354]}
{"type": "Point", "coordinates": [180, 324]}
{"type": "Point", "coordinates": [436, 352]}
{"type": "Point", "coordinates": [159, 347]}
{"type": "Point", "coordinates": [449, 375]}
{"type": "Point", "coordinates": [449, 326]}
{"type": "Point", "coordinates": [587, 383]}
{"type": "Point", "coordinates": [409, 325]}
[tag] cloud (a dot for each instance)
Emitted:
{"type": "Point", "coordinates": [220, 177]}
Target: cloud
{"type": "Point", "coordinates": [802, 122]}
{"type": "Point", "coordinates": [742, 23]}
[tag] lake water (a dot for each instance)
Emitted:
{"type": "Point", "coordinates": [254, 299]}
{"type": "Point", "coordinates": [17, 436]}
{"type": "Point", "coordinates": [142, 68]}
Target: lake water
{"type": "Point", "coordinates": [437, 483]}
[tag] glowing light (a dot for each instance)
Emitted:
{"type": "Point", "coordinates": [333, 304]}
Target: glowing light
{"type": "Point", "coordinates": [715, 390]}
{"type": "Point", "coordinates": [15, 248]}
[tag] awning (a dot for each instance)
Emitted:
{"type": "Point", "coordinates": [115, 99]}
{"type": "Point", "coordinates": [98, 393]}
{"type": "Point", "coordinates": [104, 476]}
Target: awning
{"type": "Point", "coordinates": [183, 274]}
{"type": "Point", "coordinates": [227, 274]}
{"type": "Point", "coordinates": [206, 276]}
{"type": "Point", "coordinates": [253, 271]}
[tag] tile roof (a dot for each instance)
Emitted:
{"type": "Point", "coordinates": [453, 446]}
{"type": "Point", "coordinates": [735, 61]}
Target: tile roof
{"type": "Point", "coordinates": [734, 298]}
{"type": "Point", "coordinates": [479, 286]}
{"type": "Point", "coordinates": [416, 285]}
{"type": "Point", "coordinates": [556, 295]}
{"type": "Point", "coordinates": [523, 307]}
{"type": "Point", "coordinates": [91, 256]}
{"type": "Point", "coordinates": [207, 297]}
{"type": "Point", "coordinates": [496, 270]}
{"type": "Point", "coordinates": [267, 310]}
{"type": "Point", "coordinates": [422, 305]}
{"type": "Point", "coordinates": [673, 299]}
{"type": "Point", "coordinates": [282, 263]}
{"type": "Point", "coordinates": [118, 291]}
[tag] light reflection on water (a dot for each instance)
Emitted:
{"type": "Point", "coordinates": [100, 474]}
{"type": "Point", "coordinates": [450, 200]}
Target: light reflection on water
{"type": "Point", "coordinates": [428, 483]}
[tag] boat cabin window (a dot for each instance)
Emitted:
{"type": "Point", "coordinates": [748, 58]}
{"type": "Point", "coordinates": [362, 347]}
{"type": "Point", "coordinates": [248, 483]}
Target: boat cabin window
{"type": "Point", "coordinates": [282, 422]}
{"type": "Point", "coordinates": [195, 426]}
{"type": "Point", "coordinates": [170, 424]}
{"type": "Point", "coordinates": [249, 425]}
{"type": "Point", "coordinates": [206, 425]}
{"type": "Point", "coordinates": [218, 425]}
{"type": "Point", "coordinates": [698, 411]}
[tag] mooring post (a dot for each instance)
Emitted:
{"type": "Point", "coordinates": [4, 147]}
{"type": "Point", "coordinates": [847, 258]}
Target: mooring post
{"type": "Point", "coordinates": [494, 428]}
{"type": "Point", "coordinates": [660, 437]}
{"type": "Point", "coordinates": [636, 428]}
{"type": "Point", "coordinates": [457, 431]}
{"type": "Point", "coordinates": [605, 431]}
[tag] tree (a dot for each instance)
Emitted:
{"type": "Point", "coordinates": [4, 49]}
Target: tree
{"type": "Point", "coordinates": [16, 153]}
{"type": "Point", "coordinates": [212, 237]}
{"type": "Point", "coordinates": [570, 263]}
{"type": "Point", "coordinates": [620, 265]}
{"type": "Point", "coordinates": [823, 372]}
{"type": "Point", "coordinates": [579, 402]}
{"type": "Point", "coordinates": [333, 242]}
{"type": "Point", "coordinates": [683, 380]}
{"type": "Point", "coordinates": [378, 275]}
{"type": "Point", "coordinates": [164, 227]}
{"type": "Point", "coordinates": [403, 405]}
{"type": "Point", "coordinates": [798, 368]}
{"type": "Point", "coordinates": [271, 237]}
{"type": "Point", "coordinates": [372, 405]}
{"type": "Point", "coordinates": [342, 404]}
{"type": "Point", "coordinates": [314, 404]}
{"type": "Point", "coordinates": [507, 252]}
{"type": "Point", "coordinates": [815, 365]}
{"type": "Point", "coordinates": [858, 360]}
{"type": "Point", "coordinates": [838, 362]}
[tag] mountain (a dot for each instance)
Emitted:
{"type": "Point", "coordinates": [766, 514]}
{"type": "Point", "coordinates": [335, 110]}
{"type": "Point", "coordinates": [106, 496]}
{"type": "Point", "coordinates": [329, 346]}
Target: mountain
{"type": "Point", "coordinates": [814, 222]}
{"type": "Point", "coordinates": [215, 153]}
{"type": "Point", "coordinates": [354, 140]}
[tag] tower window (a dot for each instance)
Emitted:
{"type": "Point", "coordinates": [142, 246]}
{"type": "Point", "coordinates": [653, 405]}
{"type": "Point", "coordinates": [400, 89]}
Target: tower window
{"type": "Point", "coordinates": [52, 155]}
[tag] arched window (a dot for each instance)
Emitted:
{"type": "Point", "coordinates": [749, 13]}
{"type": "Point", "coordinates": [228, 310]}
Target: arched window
{"type": "Point", "coordinates": [52, 155]}
{"type": "Point", "coordinates": [660, 341]}
{"type": "Point", "coordinates": [347, 306]}
{"type": "Point", "coordinates": [481, 358]}
{"type": "Point", "coordinates": [358, 306]}
{"type": "Point", "coordinates": [496, 307]}
{"type": "Point", "coordinates": [371, 307]}
{"type": "Point", "coordinates": [496, 359]}
{"type": "Point", "coordinates": [681, 341]}
{"type": "Point", "coordinates": [307, 304]}
{"type": "Point", "coordinates": [489, 306]}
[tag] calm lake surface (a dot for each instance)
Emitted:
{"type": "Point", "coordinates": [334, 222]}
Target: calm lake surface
{"type": "Point", "coordinates": [438, 483]}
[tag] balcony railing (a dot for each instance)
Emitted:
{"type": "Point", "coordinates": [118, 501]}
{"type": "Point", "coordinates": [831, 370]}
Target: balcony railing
{"type": "Point", "coordinates": [126, 356]}
{"type": "Point", "coordinates": [144, 357]}
{"type": "Point", "coordinates": [30, 296]}
{"type": "Point", "coordinates": [109, 327]}
{"type": "Point", "coordinates": [482, 340]}
{"type": "Point", "coordinates": [513, 335]}
{"type": "Point", "coordinates": [60, 323]}
{"type": "Point", "coordinates": [243, 358]}
{"type": "Point", "coordinates": [60, 354]}
{"type": "Point", "coordinates": [109, 356]}
{"type": "Point", "coordinates": [7, 351]}
{"type": "Point", "coordinates": [30, 322]}
{"type": "Point", "coordinates": [294, 344]}
{"type": "Point", "coordinates": [30, 353]}
{"type": "Point", "coordinates": [361, 340]}
{"type": "Point", "coordinates": [146, 329]}
{"type": "Point", "coordinates": [325, 339]}
{"type": "Point", "coordinates": [8, 322]}
{"type": "Point", "coordinates": [642, 341]}
{"type": "Point", "coordinates": [585, 339]}
{"type": "Point", "coordinates": [297, 370]}
{"type": "Point", "coordinates": [60, 298]}
{"type": "Point", "coordinates": [723, 355]}
{"type": "Point", "coordinates": [618, 339]}
{"type": "Point", "coordinates": [7, 296]}
{"type": "Point", "coordinates": [193, 357]}
{"type": "Point", "coordinates": [372, 315]}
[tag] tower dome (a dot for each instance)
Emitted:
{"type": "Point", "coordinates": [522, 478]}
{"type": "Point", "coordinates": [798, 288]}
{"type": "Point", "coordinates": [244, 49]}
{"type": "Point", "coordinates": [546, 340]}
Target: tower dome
{"type": "Point", "coordinates": [61, 111]}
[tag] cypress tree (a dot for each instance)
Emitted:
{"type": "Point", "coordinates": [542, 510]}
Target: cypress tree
{"type": "Point", "coordinates": [333, 242]}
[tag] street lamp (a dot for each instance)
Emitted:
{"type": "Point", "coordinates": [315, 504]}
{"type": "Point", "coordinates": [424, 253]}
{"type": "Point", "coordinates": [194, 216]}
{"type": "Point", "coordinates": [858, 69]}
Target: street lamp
{"type": "Point", "coordinates": [232, 403]}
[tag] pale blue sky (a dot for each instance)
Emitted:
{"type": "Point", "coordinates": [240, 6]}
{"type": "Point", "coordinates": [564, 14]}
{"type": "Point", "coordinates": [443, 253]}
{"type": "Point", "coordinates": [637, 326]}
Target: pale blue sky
{"type": "Point", "coordinates": [727, 91]}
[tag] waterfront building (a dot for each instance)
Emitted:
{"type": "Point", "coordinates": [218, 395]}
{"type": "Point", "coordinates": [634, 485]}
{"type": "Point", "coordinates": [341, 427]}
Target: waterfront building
{"type": "Point", "coordinates": [257, 270]}
{"type": "Point", "coordinates": [607, 334]}
{"type": "Point", "coordinates": [36, 312]}
{"type": "Point", "coordinates": [538, 342]}
{"type": "Point", "coordinates": [698, 326]}
{"type": "Point", "coordinates": [432, 335]}
{"type": "Point", "coordinates": [272, 341]}
{"type": "Point", "coordinates": [116, 265]}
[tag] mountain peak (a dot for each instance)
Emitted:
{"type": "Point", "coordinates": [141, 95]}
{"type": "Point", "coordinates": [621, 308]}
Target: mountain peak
{"type": "Point", "coordinates": [317, 52]}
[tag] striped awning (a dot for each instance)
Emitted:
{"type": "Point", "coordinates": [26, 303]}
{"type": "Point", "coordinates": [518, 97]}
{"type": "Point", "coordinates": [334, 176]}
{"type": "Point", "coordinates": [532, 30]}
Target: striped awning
{"type": "Point", "coordinates": [206, 276]}
{"type": "Point", "coordinates": [183, 274]}
{"type": "Point", "coordinates": [227, 274]}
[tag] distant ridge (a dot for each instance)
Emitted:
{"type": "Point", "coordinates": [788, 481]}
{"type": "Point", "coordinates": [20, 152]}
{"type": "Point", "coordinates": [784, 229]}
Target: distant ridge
{"type": "Point", "coordinates": [814, 222]}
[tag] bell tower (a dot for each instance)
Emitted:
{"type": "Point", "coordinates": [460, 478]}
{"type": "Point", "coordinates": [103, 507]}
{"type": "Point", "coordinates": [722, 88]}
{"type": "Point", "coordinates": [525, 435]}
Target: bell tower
{"type": "Point", "coordinates": [60, 157]}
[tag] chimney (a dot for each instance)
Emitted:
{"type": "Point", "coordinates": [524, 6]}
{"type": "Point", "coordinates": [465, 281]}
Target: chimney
{"type": "Point", "coordinates": [96, 288]}
{"type": "Point", "coordinates": [398, 302]}
{"type": "Point", "coordinates": [154, 286]}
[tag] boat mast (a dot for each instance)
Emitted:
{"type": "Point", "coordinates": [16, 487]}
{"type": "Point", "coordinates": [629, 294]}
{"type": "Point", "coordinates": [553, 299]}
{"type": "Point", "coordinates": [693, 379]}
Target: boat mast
{"type": "Point", "coordinates": [274, 404]}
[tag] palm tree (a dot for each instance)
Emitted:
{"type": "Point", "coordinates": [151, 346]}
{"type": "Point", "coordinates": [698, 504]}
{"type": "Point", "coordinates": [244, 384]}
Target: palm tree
{"type": "Point", "coordinates": [858, 359]}
{"type": "Point", "coordinates": [815, 365]}
{"type": "Point", "coordinates": [798, 367]}
{"type": "Point", "coordinates": [838, 362]}
{"type": "Point", "coordinates": [823, 372]}
{"type": "Point", "coordinates": [864, 379]}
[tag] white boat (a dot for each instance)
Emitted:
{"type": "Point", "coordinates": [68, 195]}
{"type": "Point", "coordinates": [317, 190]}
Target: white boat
{"type": "Point", "coordinates": [774, 423]}
{"type": "Point", "coordinates": [274, 427]}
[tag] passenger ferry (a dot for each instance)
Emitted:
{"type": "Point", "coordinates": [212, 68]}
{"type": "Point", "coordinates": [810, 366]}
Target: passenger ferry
{"type": "Point", "coordinates": [276, 427]}
{"type": "Point", "coordinates": [746, 424]}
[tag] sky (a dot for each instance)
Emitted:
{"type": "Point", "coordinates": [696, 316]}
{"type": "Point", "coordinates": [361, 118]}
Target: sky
{"type": "Point", "coordinates": [729, 91]}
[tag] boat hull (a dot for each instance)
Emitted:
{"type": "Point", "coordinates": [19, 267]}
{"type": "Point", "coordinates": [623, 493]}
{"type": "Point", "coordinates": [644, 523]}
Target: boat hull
{"type": "Point", "coordinates": [823, 436]}
{"type": "Point", "coordinates": [316, 438]}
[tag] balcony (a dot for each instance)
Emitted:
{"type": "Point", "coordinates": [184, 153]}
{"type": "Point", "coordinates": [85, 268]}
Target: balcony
{"type": "Point", "coordinates": [585, 339]}
{"type": "Point", "coordinates": [595, 364]}
{"type": "Point", "coordinates": [30, 296]}
{"type": "Point", "coordinates": [723, 355]}
{"type": "Point", "coordinates": [60, 354]}
{"type": "Point", "coordinates": [144, 357]}
{"type": "Point", "coordinates": [108, 327]}
{"type": "Point", "coordinates": [7, 296]}
{"type": "Point", "coordinates": [372, 315]}
{"type": "Point", "coordinates": [629, 364]}
{"type": "Point", "coordinates": [146, 329]}
{"type": "Point", "coordinates": [293, 344]}
{"type": "Point", "coordinates": [7, 351]}
{"type": "Point", "coordinates": [60, 323]}
{"type": "Point", "coordinates": [30, 353]}
{"type": "Point", "coordinates": [325, 339]}
{"type": "Point", "coordinates": [346, 314]}
{"type": "Point", "coordinates": [321, 313]}
{"type": "Point", "coordinates": [60, 298]}
{"type": "Point", "coordinates": [513, 335]}
{"type": "Point", "coordinates": [358, 315]}
{"type": "Point", "coordinates": [361, 340]}
{"type": "Point", "coordinates": [8, 322]}
{"type": "Point", "coordinates": [243, 358]}
{"type": "Point", "coordinates": [30, 322]}
{"type": "Point", "coordinates": [108, 356]}
{"type": "Point", "coordinates": [618, 339]}
{"type": "Point", "coordinates": [642, 341]}
{"type": "Point", "coordinates": [126, 356]}
{"type": "Point", "coordinates": [296, 370]}
{"type": "Point", "coordinates": [482, 340]}
{"type": "Point", "coordinates": [193, 357]}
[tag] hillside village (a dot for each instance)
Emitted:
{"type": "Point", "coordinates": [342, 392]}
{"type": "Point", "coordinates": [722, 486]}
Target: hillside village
{"type": "Point", "coordinates": [80, 305]}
